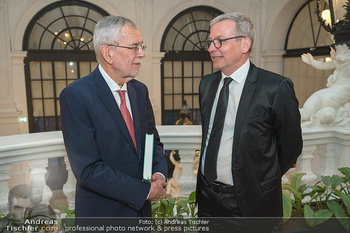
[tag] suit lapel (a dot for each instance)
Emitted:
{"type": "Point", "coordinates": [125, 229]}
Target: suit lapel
{"type": "Point", "coordinates": [208, 100]}
{"type": "Point", "coordinates": [247, 93]}
{"type": "Point", "coordinates": [206, 104]}
{"type": "Point", "coordinates": [107, 98]}
{"type": "Point", "coordinates": [135, 115]}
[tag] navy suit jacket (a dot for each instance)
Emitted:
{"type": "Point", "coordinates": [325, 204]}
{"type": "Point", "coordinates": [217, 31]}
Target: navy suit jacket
{"type": "Point", "coordinates": [107, 166]}
{"type": "Point", "coordinates": [267, 138]}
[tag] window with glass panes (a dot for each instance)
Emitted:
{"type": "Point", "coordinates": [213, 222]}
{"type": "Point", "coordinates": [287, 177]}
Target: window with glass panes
{"type": "Point", "coordinates": [60, 51]}
{"type": "Point", "coordinates": [185, 62]}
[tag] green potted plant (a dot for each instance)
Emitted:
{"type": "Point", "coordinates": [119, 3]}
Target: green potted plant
{"type": "Point", "coordinates": [167, 210]}
{"type": "Point", "coordinates": [316, 204]}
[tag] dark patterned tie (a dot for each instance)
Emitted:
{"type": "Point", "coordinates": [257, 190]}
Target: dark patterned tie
{"type": "Point", "coordinates": [126, 115]}
{"type": "Point", "coordinates": [216, 133]}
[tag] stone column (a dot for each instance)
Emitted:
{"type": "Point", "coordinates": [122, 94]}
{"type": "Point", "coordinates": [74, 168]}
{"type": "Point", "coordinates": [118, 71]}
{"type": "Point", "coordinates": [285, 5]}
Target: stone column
{"type": "Point", "coordinates": [8, 111]}
{"type": "Point", "coordinates": [258, 14]}
{"type": "Point", "coordinates": [143, 9]}
{"type": "Point", "coordinates": [150, 72]}
{"type": "Point", "coordinates": [156, 96]}
{"type": "Point", "coordinates": [19, 85]}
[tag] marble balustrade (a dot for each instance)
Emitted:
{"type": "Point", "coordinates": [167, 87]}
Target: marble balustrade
{"type": "Point", "coordinates": [325, 150]}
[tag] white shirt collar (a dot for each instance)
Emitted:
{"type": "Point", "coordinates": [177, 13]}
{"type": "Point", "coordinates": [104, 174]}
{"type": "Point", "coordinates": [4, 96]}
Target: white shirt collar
{"type": "Point", "coordinates": [241, 74]}
{"type": "Point", "coordinates": [110, 82]}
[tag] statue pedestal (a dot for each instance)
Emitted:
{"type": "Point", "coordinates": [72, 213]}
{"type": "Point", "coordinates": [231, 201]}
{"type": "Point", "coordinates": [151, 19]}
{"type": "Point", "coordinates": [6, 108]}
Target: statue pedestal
{"type": "Point", "coordinates": [186, 139]}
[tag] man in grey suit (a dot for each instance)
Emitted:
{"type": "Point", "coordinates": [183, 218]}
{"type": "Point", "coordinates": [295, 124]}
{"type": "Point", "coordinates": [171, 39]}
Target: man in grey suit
{"type": "Point", "coordinates": [251, 131]}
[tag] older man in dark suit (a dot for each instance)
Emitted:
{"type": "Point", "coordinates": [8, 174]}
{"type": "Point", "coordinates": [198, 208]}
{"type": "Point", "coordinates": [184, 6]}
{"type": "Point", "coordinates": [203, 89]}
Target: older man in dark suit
{"type": "Point", "coordinates": [251, 131]}
{"type": "Point", "coordinates": [105, 117]}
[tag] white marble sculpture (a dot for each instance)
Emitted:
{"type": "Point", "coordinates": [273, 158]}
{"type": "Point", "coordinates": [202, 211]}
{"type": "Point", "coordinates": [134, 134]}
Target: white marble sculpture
{"type": "Point", "coordinates": [173, 188]}
{"type": "Point", "coordinates": [330, 106]}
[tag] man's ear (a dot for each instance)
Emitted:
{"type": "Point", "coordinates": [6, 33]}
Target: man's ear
{"type": "Point", "coordinates": [107, 54]}
{"type": "Point", "coordinates": [246, 44]}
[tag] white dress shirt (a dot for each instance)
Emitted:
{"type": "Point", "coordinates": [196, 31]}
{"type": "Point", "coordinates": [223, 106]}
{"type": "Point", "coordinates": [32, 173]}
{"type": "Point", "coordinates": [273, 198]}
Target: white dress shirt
{"type": "Point", "coordinates": [114, 87]}
{"type": "Point", "coordinates": [224, 161]}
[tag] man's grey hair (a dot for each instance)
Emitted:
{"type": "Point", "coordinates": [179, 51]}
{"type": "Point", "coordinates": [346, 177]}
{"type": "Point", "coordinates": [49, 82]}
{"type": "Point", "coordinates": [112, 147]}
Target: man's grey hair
{"type": "Point", "coordinates": [244, 25]}
{"type": "Point", "coordinates": [108, 31]}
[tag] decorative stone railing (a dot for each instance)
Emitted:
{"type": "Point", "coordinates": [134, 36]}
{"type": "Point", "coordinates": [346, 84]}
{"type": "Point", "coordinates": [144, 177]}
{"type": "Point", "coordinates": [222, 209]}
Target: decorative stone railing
{"type": "Point", "coordinates": [325, 150]}
{"type": "Point", "coordinates": [35, 149]}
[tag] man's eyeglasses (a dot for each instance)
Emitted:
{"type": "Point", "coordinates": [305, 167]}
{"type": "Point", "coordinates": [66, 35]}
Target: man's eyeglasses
{"type": "Point", "coordinates": [136, 49]}
{"type": "Point", "coordinates": [218, 42]}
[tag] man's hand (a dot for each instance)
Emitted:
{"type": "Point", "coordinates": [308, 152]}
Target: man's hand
{"type": "Point", "coordinates": [157, 176]}
{"type": "Point", "coordinates": [158, 185]}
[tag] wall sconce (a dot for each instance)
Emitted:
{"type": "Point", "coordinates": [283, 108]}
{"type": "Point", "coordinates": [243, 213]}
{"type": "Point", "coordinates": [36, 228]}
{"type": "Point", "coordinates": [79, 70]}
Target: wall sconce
{"type": "Point", "coordinates": [335, 19]}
